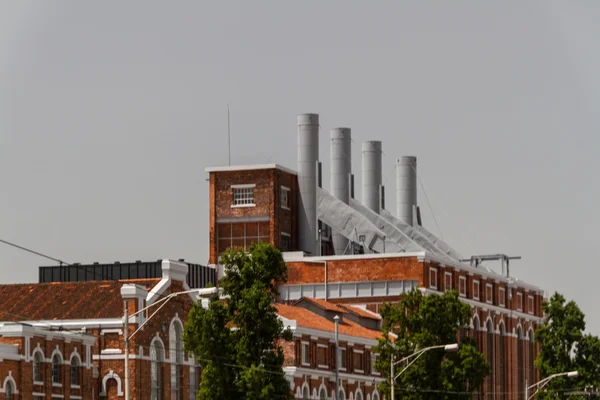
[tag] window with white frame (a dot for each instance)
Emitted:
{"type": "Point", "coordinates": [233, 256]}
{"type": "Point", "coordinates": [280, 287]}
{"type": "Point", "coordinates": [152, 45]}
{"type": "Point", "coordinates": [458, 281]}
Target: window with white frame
{"type": "Point", "coordinates": [462, 286]}
{"type": "Point", "coordinates": [9, 391]}
{"type": "Point", "coordinates": [530, 304]}
{"type": "Point", "coordinates": [433, 278]}
{"type": "Point", "coordinates": [286, 242]}
{"type": "Point", "coordinates": [38, 359]}
{"type": "Point", "coordinates": [175, 343]}
{"type": "Point", "coordinates": [156, 360]}
{"type": "Point", "coordinates": [342, 359]}
{"type": "Point", "coordinates": [56, 369]}
{"type": "Point", "coordinates": [519, 301]}
{"type": "Point", "coordinates": [475, 289]}
{"type": "Point", "coordinates": [502, 297]}
{"type": "Point", "coordinates": [305, 353]}
{"type": "Point", "coordinates": [489, 293]}
{"type": "Point", "coordinates": [75, 371]}
{"type": "Point", "coordinates": [285, 197]}
{"type": "Point", "coordinates": [447, 281]}
{"type": "Point", "coordinates": [358, 361]}
{"type": "Point", "coordinates": [243, 195]}
{"type": "Point", "coordinates": [373, 361]}
{"type": "Point", "coordinates": [193, 383]}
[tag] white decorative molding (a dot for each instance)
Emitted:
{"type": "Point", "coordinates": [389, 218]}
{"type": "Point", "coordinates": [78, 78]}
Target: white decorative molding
{"type": "Point", "coordinates": [111, 375]}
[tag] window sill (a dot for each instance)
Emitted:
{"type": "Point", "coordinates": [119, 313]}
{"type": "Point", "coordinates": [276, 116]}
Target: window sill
{"type": "Point", "coordinates": [476, 298]}
{"type": "Point", "coordinates": [462, 294]}
{"type": "Point", "coordinates": [360, 371]}
{"type": "Point", "coordinates": [342, 369]}
{"type": "Point", "coordinates": [305, 364]}
{"type": "Point", "coordinates": [243, 205]}
{"type": "Point", "coordinates": [375, 373]}
{"type": "Point", "coordinates": [75, 387]}
{"type": "Point", "coordinates": [323, 366]}
{"type": "Point", "coordinates": [285, 208]}
{"type": "Point", "coordinates": [54, 384]}
{"type": "Point", "coordinates": [38, 383]}
{"type": "Point", "coordinates": [489, 302]}
{"type": "Point", "coordinates": [433, 287]}
{"type": "Point", "coordinates": [502, 305]}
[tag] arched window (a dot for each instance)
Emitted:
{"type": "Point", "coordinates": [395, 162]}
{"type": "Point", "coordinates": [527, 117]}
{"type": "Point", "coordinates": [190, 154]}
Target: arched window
{"type": "Point", "coordinates": [9, 391]}
{"type": "Point", "coordinates": [75, 371]}
{"type": "Point", "coordinates": [520, 364]}
{"type": "Point", "coordinates": [490, 359]}
{"type": "Point", "coordinates": [56, 368]}
{"type": "Point", "coordinates": [475, 331]}
{"type": "Point", "coordinates": [342, 395]}
{"type": "Point", "coordinates": [176, 351]}
{"type": "Point", "coordinates": [531, 359]}
{"type": "Point", "coordinates": [375, 396]}
{"type": "Point", "coordinates": [305, 393]}
{"type": "Point", "coordinates": [38, 359]}
{"type": "Point", "coordinates": [156, 357]}
{"type": "Point", "coordinates": [323, 394]}
{"type": "Point", "coordinates": [502, 354]}
{"type": "Point", "coordinates": [358, 395]}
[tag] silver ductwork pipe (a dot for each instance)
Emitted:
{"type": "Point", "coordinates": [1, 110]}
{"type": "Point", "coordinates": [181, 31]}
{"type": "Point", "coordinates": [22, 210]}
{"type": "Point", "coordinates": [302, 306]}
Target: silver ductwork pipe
{"type": "Point", "coordinates": [308, 156]}
{"type": "Point", "coordinates": [340, 148]}
{"type": "Point", "coordinates": [371, 175]}
{"type": "Point", "coordinates": [406, 188]}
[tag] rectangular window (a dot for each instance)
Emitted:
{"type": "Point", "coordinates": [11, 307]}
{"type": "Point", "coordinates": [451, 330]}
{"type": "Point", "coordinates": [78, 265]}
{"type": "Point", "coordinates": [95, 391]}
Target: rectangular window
{"type": "Point", "coordinates": [530, 305]}
{"type": "Point", "coordinates": [373, 361]}
{"type": "Point", "coordinates": [502, 297]}
{"type": "Point", "coordinates": [475, 290]}
{"type": "Point", "coordinates": [285, 244]}
{"type": "Point", "coordinates": [322, 356]}
{"type": "Point", "coordinates": [489, 293]}
{"type": "Point", "coordinates": [305, 353]}
{"type": "Point", "coordinates": [358, 358]}
{"type": "Point", "coordinates": [285, 197]}
{"type": "Point", "coordinates": [462, 286]}
{"type": "Point", "coordinates": [447, 281]}
{"type": "Point", "coordinates": [433, 278]}
{"type": "Point", "coordinates": [343, 359]}
{"type": "Point", "coordinates": [243, 195]}
{"type": "Point", "coordinates": [519, 301]}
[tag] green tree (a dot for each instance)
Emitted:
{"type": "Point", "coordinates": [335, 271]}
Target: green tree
{"type": "Point", "coordinates": [245, 362]}
{"type": "Point", "coordinates": [565, 347]}
{"type": "Point", "coordinates": [421, 321]}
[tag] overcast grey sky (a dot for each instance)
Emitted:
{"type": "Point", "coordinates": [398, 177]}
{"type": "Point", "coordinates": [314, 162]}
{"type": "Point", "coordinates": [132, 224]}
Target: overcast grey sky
{"type": "Point", "coordinates": [110, 111]}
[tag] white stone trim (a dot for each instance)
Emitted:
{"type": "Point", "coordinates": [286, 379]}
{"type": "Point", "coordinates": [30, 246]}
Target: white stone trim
{"type": "Point", "coordinates": [478, 291]}
{"type": "Point", "coordinates": [433, 282]}
{"type": "Point", "coordinates": [9, 378]}
{"type": "Point", "coordinates": [111, 375]}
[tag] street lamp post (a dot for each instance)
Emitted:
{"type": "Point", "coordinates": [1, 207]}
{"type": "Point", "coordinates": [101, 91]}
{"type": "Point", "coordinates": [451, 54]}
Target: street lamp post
{"type": "Point", "coordinates": [544, 382]}
{"type": "Point", "coordinates": [164, 300]}
{"type": "Point", "coordinates": [416, 355]}
{"type": "Point", "coordinates": [337, 358]}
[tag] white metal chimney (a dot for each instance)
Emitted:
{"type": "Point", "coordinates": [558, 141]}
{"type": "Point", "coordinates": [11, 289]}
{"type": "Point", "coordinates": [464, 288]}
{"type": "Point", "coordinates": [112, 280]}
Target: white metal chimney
{"type": "Point", "coordinates": [308, 156]}
{"type": "Point", "coordinates": [406, 188]}
{"type": "Point", "coordinates": [340, 148]}
{"type": "Point", "coordinates": [371, 175]}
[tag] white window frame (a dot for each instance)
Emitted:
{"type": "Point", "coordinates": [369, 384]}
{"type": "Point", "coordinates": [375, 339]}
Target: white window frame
{"type": "Point", "coordinates": [342, 359]}
{"type": "Point", "coordinates": [374, 357]}
{"type": "Point", "coordinates": [39, 351]}
{"type": "Point", "coordinates": [530, 301]}
{"type": "Point", "coordinates": [287, 204]}
{"type": "Point", "coordinates": [360, 371]}
{"type": "Point", "coordinates": [519, 297]}
{"type": "Point", "coordinates": [476, 292]}
{"type": "Point", "coordinates": [446, 275]}
{"type": "Point", "coordinates": [433, 282]}
{"type": "Point", "coordinates": [241, 187]}
{"type": "Point", "coordinates": [501, 297]}
{"type": "Point", "coordinates": [491, 287]}
{"type": "Point", "coordinates": [322, 346]}
{"type": "Point", "coordinates": [305, 353]}
{"type": "Point", "coordinates": [463, 280]}
{"type": "Point", "coordinates": [79, 373]}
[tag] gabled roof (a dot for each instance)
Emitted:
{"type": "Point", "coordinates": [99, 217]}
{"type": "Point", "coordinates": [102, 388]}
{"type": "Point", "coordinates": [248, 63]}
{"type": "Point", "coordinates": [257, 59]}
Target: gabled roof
{"type": "Point", "coordinates": [360, 312]}
{"type": "Point", "coordinates": [324, 304]}
{"type": "Point", "coordinates": [307, 319]}
{"type": "Point", "coordinates": [65, 300]}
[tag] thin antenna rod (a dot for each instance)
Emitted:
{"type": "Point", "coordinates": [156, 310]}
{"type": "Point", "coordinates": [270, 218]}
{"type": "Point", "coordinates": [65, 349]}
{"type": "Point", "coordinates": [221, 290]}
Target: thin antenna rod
{"type": "Point", "coordinates": [228, 136]}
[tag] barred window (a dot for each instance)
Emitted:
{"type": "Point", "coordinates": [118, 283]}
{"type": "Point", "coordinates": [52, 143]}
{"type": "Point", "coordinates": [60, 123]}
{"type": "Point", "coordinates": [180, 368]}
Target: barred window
{"type": "Point", "coordinates": [243, 195]}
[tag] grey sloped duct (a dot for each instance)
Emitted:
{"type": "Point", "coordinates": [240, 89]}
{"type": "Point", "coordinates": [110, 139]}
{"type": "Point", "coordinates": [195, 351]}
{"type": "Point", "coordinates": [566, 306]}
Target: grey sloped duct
{"type": "Point", "coordinates": [392, 232]}
{"type": "Point", "coordinates": [352, 224]}
{"type": "Point", "coordinates": [419, 231]}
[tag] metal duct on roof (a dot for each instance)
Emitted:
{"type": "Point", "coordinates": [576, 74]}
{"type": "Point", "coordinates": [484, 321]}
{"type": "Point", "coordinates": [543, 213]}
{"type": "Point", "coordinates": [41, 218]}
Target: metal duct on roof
{"type": "Point", "coordinates": [353, 225]}
{"type": "Point", "coordinates": [371, 174]}
{"type": "Point", "coordinates": [340, 169]}
{"type": "Point", "coordinates": [308, 156]}
{"type": "Point", "coordinates": [420, 234]}
{"type": "Point", "coordinates": [406, 188]}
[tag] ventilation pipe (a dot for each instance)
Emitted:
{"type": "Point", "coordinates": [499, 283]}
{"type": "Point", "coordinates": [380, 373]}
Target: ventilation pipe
{"type": "Point", "coordinates": [406, 188]}
{"type": "Point", "coordinates": [340, 175]}
{"type": "Point", "coordinates": [371, 171]}
{"type": "Point", "coordinates": [308, 156]}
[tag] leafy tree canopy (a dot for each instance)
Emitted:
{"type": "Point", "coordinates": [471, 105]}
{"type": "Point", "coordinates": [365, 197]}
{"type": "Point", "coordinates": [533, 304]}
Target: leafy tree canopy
{"type": "Point", "coordinates": [422, 321]}
{"type": "Point", "coordinates": [245, 362]}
